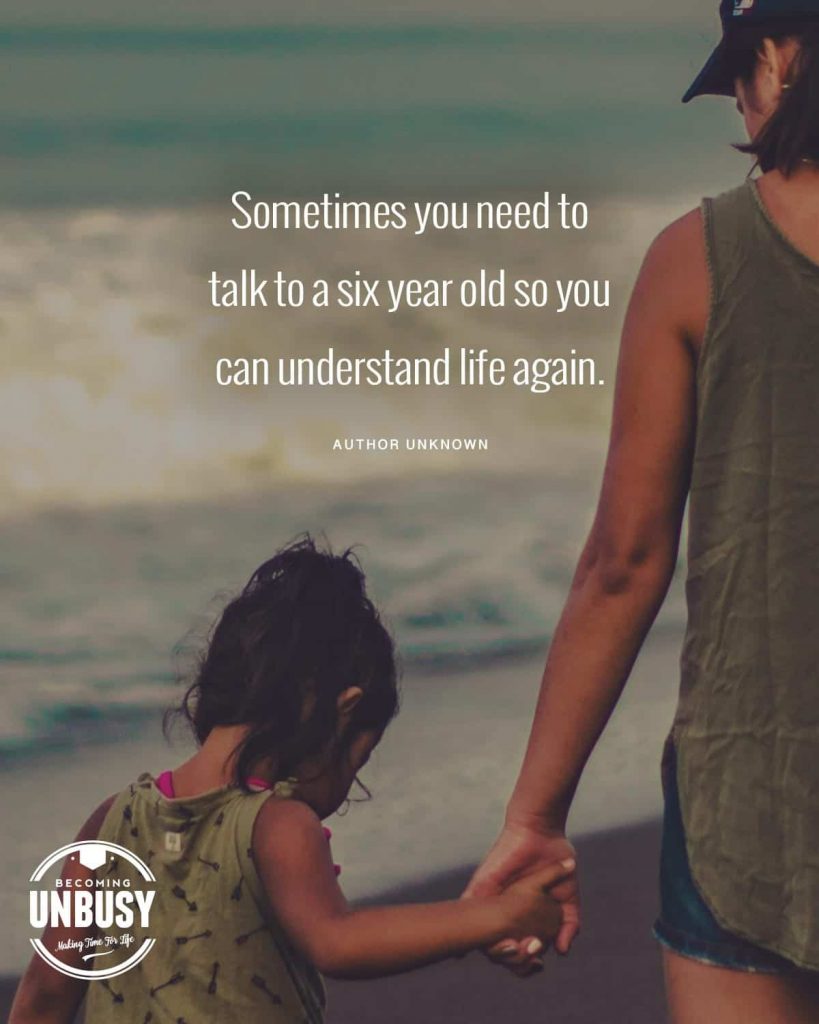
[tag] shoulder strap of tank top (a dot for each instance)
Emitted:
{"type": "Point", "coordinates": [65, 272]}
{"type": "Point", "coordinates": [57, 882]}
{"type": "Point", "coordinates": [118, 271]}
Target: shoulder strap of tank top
{"type": "Point", "coordinates": [731, 223]}
{"type": "Point", "coordinates": [249, 807]}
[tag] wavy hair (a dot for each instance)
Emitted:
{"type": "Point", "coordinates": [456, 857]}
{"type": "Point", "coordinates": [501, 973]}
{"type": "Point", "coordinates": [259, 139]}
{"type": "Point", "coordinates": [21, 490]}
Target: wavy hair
{"type": "Point", "coordinates": [301, 631]}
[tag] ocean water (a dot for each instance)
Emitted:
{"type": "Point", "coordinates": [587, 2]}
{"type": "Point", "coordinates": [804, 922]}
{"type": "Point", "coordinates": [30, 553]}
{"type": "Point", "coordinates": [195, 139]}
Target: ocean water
{"type": "Point", "coordinates": [106, 609]}
{"type": "Point", "coordinates": [110, 114]}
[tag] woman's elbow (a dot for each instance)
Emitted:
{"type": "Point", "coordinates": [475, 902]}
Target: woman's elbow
{"type": "Point", "coordinates": [629, 571]}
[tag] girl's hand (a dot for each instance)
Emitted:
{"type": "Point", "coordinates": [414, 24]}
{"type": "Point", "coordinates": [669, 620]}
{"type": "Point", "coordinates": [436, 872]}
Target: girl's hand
{"type": "Point", "coordinates": [296, 870]}
{"type": "Point", "coordinates": [529, 910]}
{"type": "Point", "coordinates": [519, 851]}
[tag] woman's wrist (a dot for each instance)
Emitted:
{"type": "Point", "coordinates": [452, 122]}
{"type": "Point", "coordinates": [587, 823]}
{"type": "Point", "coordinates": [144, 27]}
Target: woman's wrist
{"type": "Point", "coordinates": [546, 821]}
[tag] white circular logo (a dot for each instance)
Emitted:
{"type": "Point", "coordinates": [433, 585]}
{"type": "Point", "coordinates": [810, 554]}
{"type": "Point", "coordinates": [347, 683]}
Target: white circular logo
{"type": "Point", "coordinates": [92, 906]}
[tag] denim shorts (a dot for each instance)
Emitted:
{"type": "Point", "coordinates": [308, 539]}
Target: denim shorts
{"type": "Point", "coordinates": [686, 926]}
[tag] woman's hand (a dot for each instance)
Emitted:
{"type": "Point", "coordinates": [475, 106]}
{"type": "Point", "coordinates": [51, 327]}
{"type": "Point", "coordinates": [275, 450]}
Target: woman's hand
{"type": "Point", "coordinates": [521, 850]}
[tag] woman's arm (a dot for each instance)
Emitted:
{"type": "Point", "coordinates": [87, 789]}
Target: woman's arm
{"type": "Point", "coordinates": [294, 864]}
{"type": "Point", "coordinates": [627, 562]}
{"type": "Point", "coordinates": [45, 996]}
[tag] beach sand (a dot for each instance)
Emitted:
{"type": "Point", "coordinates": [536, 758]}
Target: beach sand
{"type": "Point", "coordinates": [613, 975]}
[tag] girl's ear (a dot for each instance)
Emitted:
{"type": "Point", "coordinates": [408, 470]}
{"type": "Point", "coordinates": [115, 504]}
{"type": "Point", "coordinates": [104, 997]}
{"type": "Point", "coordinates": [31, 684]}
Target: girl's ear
{"type": "Point", "coordinates": [348, 699]}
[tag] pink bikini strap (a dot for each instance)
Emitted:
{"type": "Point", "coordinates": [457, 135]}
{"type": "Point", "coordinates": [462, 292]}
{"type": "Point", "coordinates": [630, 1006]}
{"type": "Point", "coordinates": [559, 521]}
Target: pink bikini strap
{"type": "Point", "coordinates": [164, 783]}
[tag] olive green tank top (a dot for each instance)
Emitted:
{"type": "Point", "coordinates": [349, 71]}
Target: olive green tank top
{"type": "Point", "coordinates": [747, 727]}
{"type": "Point", "coordinates": [219, 953]}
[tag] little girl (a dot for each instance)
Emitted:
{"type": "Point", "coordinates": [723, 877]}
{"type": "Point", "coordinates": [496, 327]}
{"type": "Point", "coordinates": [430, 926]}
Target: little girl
{"type": "Point", "coordinates": [294, 692]}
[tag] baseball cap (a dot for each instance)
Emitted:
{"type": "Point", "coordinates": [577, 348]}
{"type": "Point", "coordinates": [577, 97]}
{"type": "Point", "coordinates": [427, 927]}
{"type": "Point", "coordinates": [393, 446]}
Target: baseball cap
{"type": "Point", "coordinates": [715, 78]}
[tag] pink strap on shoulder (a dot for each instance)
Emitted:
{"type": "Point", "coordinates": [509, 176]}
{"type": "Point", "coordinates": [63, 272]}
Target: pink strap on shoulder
{"type": "Point", "coordinates": [164, 783]}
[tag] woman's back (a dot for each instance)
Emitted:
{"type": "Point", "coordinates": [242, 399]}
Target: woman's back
{"type": "Point", "coordinates": [747, 723]}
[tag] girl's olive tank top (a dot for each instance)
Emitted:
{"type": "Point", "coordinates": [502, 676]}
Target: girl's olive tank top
{"type": "Point", "coordinates": [747, 727]}
{"type": "Point", "coordinates": [219, 953]}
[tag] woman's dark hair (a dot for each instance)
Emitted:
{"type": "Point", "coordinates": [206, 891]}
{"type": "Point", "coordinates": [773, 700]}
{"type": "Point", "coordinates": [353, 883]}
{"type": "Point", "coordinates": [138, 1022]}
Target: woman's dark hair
{"type": "Point", "coordinates": [791, 134]}
{"type": "Point", "coordinates": [301, 632]}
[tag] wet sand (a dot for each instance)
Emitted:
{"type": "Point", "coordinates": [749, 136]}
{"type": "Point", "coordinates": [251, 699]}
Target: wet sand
{"type": "Point", "coordinates": [613, 975]}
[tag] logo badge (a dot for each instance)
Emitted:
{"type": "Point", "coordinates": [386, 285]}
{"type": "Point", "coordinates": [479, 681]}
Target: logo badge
{"type": "Point", "coordinates": [93, 898]}
{"type": "Point", "coordinates": [743, 6]}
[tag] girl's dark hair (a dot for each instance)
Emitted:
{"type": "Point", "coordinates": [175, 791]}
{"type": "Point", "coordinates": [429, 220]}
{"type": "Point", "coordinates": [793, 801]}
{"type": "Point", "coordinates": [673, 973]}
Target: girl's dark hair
{"type": "Point", "coordinates": [791, 134]}
{"type": "Point", "coordinates": [301, 632]}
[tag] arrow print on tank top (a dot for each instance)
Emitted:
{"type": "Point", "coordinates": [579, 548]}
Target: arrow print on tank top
{"type": "Point", "coordinates": [173, 980]}
{"type": "Point", "coordinates": [183, 940]}
{"type": "Point", "coordinates": [214, 864]}
{"type": "Point", "coordinates": [214, 972]}
{"type": "Point", "coordinates": [242, 939]}
{"type": "Point", "coordinates": [128, 815]}
{"type": "Point", "coordinates": [116, 997]}
{"type": "Point", "coordinates": [260, 983]}
{"type": "Point", "coordinates": [180, 894]}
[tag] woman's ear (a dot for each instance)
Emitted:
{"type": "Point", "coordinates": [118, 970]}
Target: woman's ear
{"type": "Point", "coordinates": [759, 98]}
{"type": "Point", "coordinates": [775, 60]}
{"type": "Point", "coordinates": [348, 699]}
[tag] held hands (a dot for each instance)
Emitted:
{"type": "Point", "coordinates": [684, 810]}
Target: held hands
{"type": "Point", "coordinates": [528, 908]}
{"type": "Point", "coordinates": [522, 854]}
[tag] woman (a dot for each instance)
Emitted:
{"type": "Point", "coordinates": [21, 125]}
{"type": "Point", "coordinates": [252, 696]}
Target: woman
{"type": "Point", "coordinates": [717, 397]}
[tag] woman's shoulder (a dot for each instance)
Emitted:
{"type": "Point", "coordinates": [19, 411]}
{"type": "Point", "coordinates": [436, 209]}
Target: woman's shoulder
{"type": "Point", "coordinates": [674, 287]}
{"type": "Point", "coordinates": [687, 236]}
{"type": "Point", "coordinates": [683, 238]}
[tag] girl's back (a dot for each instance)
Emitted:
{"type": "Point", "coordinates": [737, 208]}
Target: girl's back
{"type": "Point", "coordinates": [219, 954]}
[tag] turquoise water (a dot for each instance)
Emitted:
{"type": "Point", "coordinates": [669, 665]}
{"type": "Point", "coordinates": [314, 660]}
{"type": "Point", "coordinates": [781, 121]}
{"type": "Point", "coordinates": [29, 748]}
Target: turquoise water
{"type": "Point", "coordinates": [157, 115]}
{"type": "Point", "coordinates": [107, 607]}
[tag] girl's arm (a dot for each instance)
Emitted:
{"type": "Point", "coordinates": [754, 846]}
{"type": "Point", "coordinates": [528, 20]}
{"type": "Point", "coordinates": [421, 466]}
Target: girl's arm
{"type": "Point", "coordinates": [293, 859]}
{"type": "Point", "coordinates": [45, 996]}
{"type": "Point", "coordinates": [626, 565]}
